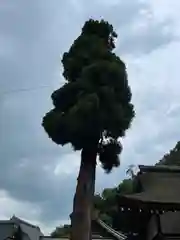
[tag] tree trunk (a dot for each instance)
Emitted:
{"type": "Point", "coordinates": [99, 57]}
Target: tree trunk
{"type": "Point", "coordinates": [82, 205]}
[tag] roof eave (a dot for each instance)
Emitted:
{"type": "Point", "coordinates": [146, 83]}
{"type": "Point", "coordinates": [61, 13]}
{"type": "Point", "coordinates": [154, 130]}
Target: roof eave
{"type": "Point", "coordinates": [159, 168]}
{"type": "Point", "coordinates": [130, 202]}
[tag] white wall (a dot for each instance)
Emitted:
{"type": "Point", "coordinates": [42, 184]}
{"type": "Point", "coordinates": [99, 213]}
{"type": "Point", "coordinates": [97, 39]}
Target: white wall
{"type": "Point", "coordinates": [32, 232]}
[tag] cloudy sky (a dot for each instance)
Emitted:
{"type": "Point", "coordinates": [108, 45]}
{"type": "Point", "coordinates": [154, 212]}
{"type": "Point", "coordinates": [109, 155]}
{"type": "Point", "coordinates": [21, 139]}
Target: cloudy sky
{"type": "Point", "coordinates": [38, 178]}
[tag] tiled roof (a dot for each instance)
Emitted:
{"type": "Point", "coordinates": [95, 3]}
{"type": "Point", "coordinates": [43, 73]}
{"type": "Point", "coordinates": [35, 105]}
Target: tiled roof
{"type": "Point", "coordinates": [160, 185]}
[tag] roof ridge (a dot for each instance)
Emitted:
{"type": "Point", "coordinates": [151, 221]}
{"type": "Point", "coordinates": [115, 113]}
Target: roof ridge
{"type": "Point", "coordinates": [23, 221]}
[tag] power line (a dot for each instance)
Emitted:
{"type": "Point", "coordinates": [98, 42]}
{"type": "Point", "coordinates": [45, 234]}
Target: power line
{"type": "Point", "coordinates": [23, 90]}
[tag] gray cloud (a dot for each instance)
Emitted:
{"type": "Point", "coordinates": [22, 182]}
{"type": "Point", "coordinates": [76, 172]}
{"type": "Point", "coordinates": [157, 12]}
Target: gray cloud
{"type": "Point", "coordinates": [147, 37]}
{"type": "Point", "coordinates": [138, 29]}
{"type": "Point", "coordinates": [33, 37]}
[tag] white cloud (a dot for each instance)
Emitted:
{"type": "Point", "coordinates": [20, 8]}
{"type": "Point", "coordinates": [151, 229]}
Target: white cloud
{"type": "Point", "coordinates": [69, 165]}
{"type": "Point", "coordinates": [26, 211]}
{"type": "Point", "coordinates": [155, 85]}
{"type": "Point", "coordinates": [10, 206]}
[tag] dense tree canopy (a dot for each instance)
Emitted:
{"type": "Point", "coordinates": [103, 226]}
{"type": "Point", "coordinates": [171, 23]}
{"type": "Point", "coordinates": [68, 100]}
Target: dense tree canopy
{"type": "Point", "coordinates": [95, 101]}
{"type": "Point", "coordinates": [62, 231]}
{"type": "Point", "coordinates": [173, 157]}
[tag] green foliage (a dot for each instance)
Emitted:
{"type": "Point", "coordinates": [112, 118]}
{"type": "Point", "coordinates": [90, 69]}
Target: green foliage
{"type": "Point", "coordinates": [108, 193]}
{"type": "Point", "coordinates": [98, 202]}
{"type": "Point", "coordinates": [95, 101]}
{"type": "Point", "coordinates": [126, 187]}
{"type": "Point", "coordinates": [62, 231]}
{"type": "Point", "coordinates": [110, 151]}
{"type": "Point", "coordinates": [171, 158]}
{"type": "Point", "coordinates": [107, 204]}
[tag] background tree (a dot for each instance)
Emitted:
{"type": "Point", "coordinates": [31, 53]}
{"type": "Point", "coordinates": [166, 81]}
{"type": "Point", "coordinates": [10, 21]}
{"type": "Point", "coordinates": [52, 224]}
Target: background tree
{"type": "Point", "coordinates": [91, 111]}
{"type": "Point", "coordinates": [62, 231]}
{"type": "Point", "coordinates": [107, 203]}
{"type": "Point", "coordinates": [171, 158]}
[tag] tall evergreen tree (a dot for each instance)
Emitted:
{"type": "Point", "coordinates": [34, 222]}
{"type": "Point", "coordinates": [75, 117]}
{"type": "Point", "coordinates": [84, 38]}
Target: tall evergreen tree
{"type": "Point", "coordinates": [91, 111]}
